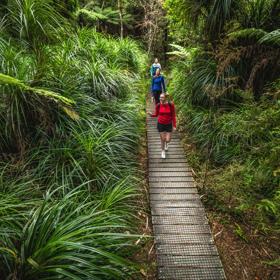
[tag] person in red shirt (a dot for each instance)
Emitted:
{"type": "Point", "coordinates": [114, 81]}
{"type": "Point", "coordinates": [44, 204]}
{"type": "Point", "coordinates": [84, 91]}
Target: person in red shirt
{"type": "Point", "coordinates": [165, 111]}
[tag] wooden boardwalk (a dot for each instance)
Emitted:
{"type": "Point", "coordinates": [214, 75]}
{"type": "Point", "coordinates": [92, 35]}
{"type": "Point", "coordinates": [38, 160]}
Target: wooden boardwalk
{"type": "Point", "coordinates": [184, 245]}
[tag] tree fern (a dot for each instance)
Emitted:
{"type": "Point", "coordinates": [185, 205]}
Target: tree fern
{"type": "Point", "coordinates": [182, 52]}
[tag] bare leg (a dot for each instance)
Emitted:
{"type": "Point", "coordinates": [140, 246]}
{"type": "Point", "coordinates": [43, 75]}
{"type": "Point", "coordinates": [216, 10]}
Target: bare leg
{"type": "Point", "coordinates": [167, 140]}
{"type": "Point", "coordinates": [162, 140]}
{"type": "Point", "coordinates": [168, 137]}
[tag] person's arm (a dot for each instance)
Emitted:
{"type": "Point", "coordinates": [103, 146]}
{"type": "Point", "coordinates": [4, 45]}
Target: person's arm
{"type": "Point", "coordinates": [156, 112]}
{"type": "Point", "coordinates": [163, 84]}
{"type": "Point", "coordinates": [173, 115]}
{"type": "Point", "coordinates": [151, 71]}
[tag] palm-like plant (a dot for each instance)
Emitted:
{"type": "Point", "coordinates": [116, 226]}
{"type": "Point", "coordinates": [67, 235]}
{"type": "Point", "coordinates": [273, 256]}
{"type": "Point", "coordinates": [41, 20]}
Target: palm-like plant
{"type": "Point", "coordinates": [68, 238]}
{"type": "Point", "coordinates": [35, 21]}
{"type": "Point", "coordinates": [259, 14]}
{"type": "Point", "coordinates": [21, 106]}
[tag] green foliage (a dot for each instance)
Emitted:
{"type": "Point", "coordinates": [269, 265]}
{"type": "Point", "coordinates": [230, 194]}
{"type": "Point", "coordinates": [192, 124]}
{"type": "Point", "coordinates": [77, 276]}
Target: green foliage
{"type": "Point", "coordinates": [8, 80]}
{"type": "Point", "coordinates": [260, 14]}
{"type": "Point", "coordinates": [243, 147]}
{"type": "Point", "coordinates": [68, 237]}
{"type": "Point", "coordinates": [68, 178]}
{"type": "Point", "coordinates": [203, 87]}
{"type": "Point", "coordinates": [271, 38]}
{"type": "Point", "coordinates": [275, 262]}
{"type": "Point", "coordinates": [106, 15]}
{"type": "Point", "coordinates": [36, 21]}
{"type": "Point", "coordinates": [99, 16]}
{"type": "Point", "coordinates": [239, 232]}
{"type": "Point", "coordinates": [239, 43]}
{"type": "Point", "coordinates": [237, 136]}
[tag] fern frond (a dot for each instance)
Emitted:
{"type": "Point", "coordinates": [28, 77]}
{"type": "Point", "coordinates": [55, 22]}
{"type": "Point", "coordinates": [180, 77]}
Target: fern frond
{"type": "Point", "coordinates": [91, 15]}
{"type": "Point", "coordinates": [248, 33]}
{"type": "Point", "coordinates": [181, 51]}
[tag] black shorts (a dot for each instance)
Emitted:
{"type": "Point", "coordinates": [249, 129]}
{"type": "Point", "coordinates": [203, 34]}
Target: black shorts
{"type": "Point", "coordinates": [164, 127]}
{"type": "Point", "coordinates": [156, 94]}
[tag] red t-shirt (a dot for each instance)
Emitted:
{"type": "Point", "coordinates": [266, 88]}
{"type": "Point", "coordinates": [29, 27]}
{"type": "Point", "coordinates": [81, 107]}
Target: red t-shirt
{"type": "Point", "coordinates": [165, 113]}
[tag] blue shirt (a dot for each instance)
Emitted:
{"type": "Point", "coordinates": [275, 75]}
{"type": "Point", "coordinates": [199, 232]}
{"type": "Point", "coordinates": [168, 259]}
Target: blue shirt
{"type": "Point", "coordinates": [158, 83]}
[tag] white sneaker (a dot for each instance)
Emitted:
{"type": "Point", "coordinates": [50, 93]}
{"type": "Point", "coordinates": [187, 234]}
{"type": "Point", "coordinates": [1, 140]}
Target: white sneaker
{"type": "Point", "coordinates": [163, 154]}
{"type": "Point", "coordinates": [166, 146]}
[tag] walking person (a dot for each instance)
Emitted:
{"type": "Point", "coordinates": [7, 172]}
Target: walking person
{"type": "Point", "coordinates": [165, 111]}
{"type": "Point", "coordinates": [156, 65]}
{"type": "Point", "coordinates": [158, 85]}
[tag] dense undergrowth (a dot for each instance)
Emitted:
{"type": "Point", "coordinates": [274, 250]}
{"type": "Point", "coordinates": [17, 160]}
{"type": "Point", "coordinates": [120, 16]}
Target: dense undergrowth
{"type": "Point", "coordinates": [70, 124]}
{"type": "Point", "coordinates": [225, 82]}
{"type": "Point", "coordinates": [242, 144]}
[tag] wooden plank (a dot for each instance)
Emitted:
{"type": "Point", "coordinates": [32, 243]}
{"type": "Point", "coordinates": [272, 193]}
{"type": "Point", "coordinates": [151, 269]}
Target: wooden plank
{"type": "Point", "coordinates": [177, 156]}
{"type": "Point", "coordinates": [169, 169]}
{"type": "Point", "coordinates": [177, 273]}
{"type": "Point", "coordinates": [156, 143]}
{"type": "Point", "coordinates": [167, 164]}
{"type": "Point", "coordinates": [156, 134]}
{"type": "Point", "coordinates": [177, 211]}
{"type": "Point", "coordinates": [170, 173]}
{"type": "Point", "coordinates": [160, 160]}
{"type": "Point", "coordinates": [173, 190]}
{"type": "Point", "coordinates": [179, 220]}
{"type": "Point", "coordinates": [171, 150]}
{"type": "Point", "coordinates": [171, 179]}
{"type": "Point", "coordinates": [172, 185]}
{"type": "Point", "coordinates": [173, 197]}
{"type": "Point", "coordinates": [187, 262]}
{"type": "Point", "coordinates": [176, 204]}
{"type": "Point", "coordinates": [156, 148]}
{"type": "Point", "coordinates": [187, 250]}
{"type": "Point", "coordinates": [170, 153]}
{"type": "Point", "coordinates": [184, 239]}
{"type": "Point", "coordinates": [181, 229]}
{"type": "Point", "coordinates": [156, 139]}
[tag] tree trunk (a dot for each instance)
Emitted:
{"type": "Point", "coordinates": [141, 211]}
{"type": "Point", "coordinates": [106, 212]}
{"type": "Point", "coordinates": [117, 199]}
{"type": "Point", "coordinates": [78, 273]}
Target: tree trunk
{"type": "Point", "coordinates": [120, 7]}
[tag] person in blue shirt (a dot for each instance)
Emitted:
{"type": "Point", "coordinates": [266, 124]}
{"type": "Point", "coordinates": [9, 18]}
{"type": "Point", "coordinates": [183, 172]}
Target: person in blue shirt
{"type": "Point", "coordinates": [158, 85]}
